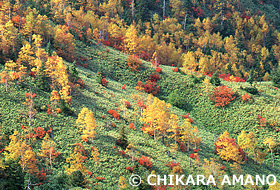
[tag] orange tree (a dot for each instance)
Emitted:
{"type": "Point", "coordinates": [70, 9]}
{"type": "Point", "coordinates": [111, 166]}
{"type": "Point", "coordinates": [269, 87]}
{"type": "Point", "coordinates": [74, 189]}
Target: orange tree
{"type": "Point", "coordinates": [227, 149]}
{"type": "Point", "coordinates": [222, 96]}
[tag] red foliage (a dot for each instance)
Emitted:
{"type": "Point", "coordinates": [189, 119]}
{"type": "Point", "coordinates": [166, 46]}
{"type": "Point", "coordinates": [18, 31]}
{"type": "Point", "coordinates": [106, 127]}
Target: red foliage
{"type": "Point", "coordinates": [121, 153]}
{"type": "Point", "coordinates": [223, 167]}
{"type": "Point", "coordinates": [129, 169]}
{"type": "Point", "coordinates": [145, 161]}
{"type": "Point", "coordinates": [42, 175]}
{"type": "Point", "coordinates": [222, 96]}
{"type": "Point", "coordinates": [246, 97]}
{"type": "Point", "coordinates": [262, 121]}
{"type": "Point", "coordinates": [175, 69]}
{"type": "Point", "coordinates": [199, 12]}
{"type": "Point", "coordinates": [172, 164]}
{"type": "Point", "coordinates": [150, 87]}
{"type": "Point", "coordinates": [81, 82]}
{"type": "Point", "coordinates": [159, 70]}
{"type": "Point", "coordinates": [232, 141]}
{"type": "Point", "coordinates": [131, 126]}
{"type": "Point", "coordinates": [127, 104]}
{"type": "Point", "coordinates": [154, 77]}
{"type": "Point", "coordinates": [123, 87]}
{"type": "Point", "coordinates": [245, 16]}
{"type": "Point", "coordinates": [140, 103]}
{"type": "Point", "coordinates": [196, 150]}
{"type": "Point", "coordinates": [133, 62]}
{"type": "Point", "coordinates": [186, 116]}
{"type": "Point", "coordinates": [192, 155]}
{"type": "Point", "coordinates": [144, 55]}
{"type": "Point", "coordinates": [183, 147]}
{"type": "Point", "coordinates": [40, 132]}
{"type": "Point", "coordinates": [104, 82]}
{"type": "Point", "coordinates": [230, 78]}
{"type": "Point", "coordinates": [100, 178]}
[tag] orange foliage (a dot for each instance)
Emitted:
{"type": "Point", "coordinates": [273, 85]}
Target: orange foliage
{"type": "Point", "coordinates": [127, 104]}
{"type": "Point", "coordinates": [123, 87]}
{"type": "Point", "coordinates": [145, 161]}
{"type": "Point", "coordinates": [222, 96]}
{"type": "Point", "coordinates": [133, 62]}
{"type": "Point", "coordinates": [131, 126]}
{"type": "Point", "coordinates": [40, 132]}
{"type": "Point", "coordinates": [114, 114]}
{"type": "Point", "coordinates": [159, 70]}
{"type": "Point", "coordinates": [246, 97]}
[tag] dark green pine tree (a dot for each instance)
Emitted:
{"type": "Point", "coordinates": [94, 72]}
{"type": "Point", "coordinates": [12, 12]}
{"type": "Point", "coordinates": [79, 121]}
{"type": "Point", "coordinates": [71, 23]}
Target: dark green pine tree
{"type": "Point", "coordinates": [275, 77]}
{"type": "Point", "coordinates": [42, 81]}
{"type": "Point", "coordinates": [77, 179]}
{"type": "Point", "coordinates": [122, 140]}
{"type": "Point", "coordinates": [73, 72]}
{"type": "Point", "coordinates": [12, 176]}
{"type": "Point", "coordinates": [48, 49]}
{"type": "Point", "coordinates": [251, 77]}
{"type": "Point", "coordinates": [215, 80]}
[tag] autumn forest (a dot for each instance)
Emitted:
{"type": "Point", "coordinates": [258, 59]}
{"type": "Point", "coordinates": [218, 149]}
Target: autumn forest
{"type": "Point", "coordinates": [94, 92]}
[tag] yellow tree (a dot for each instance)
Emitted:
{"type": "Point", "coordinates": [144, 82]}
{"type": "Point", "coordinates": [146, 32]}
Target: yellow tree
{"type": "Point", "coordinates": [162, 114]}
{"type": "Point", "coordinates": [130, 149]}
{"type": "Point", "coordinates": [213, 168]}
{"type": "Point", "coordinates": [190, 63]}
{"type": "Point", "coordinates": [48, 150]}
{"type": "Point", "coordinates": [87, 124]}
{"type": "Point", "coordinates": [29, 26]}
{"type": "Point", "coordinates": [174, 127]}
{"type": "Point", "coordinates": [25, 56]}
{"type": "Point", "coordinates": [269, 142]}
{"type": "Point", "coordinates": [276, 186]}
{"type": "Point", "coordinates": [18, 148]}
{"type": "Point", "coordinates": [186, 134]}
{"type": "Point", "coordinates": [207, 86]}
{"type": "Point", "coordinates": [64, 42]}
{"type": "Point", "coordinates": [149, 117]}
{"type": "Point", "coordinates": [122, 183]}
{"type": "Point", "coordinates": [76, 163]}
{"type": "Point", "coordinates": [57, 71]}
{"type": "Point", "coordinates": [227, 149]}
{"type": "Point", "coordinates": [10, 36]}
{"type": "Point", "coordinates": [131, 40]}
{"type": "Point", "coordinates": [248, 142]}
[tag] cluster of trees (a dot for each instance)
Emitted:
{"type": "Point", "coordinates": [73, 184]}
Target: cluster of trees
{"type": "Point", "coordinates": [179, 33]}
{"type": "Point", "coordinates": [161, 122]}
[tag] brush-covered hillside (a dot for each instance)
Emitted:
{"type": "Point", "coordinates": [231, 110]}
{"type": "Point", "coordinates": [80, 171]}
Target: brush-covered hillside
{"type": "Point", "coordinates": [94, 92]}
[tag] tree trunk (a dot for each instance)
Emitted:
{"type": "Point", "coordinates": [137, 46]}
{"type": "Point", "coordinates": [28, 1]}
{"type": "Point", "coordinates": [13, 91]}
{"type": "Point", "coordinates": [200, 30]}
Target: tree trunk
{"type": "Point", "coordinates": [19, 23]}
{"type": "Point", "coordinates": [272, 158]}
{"type": "Point", "coordinates": [50, 158]}
{"type": "Point", "coordinates": [185, 21]}
{"type": "Point", "coordinates": [263, 39]}
{"type": "Point", "coordinates": [222, 20]}
{"type": "Point", "coordinates": [132, 9]}
{"type": "Point", "coordinates": [163, 9]}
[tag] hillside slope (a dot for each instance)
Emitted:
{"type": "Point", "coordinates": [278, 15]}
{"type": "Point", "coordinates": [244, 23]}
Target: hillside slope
{"type": "Point", "coordinates": [211, 121]}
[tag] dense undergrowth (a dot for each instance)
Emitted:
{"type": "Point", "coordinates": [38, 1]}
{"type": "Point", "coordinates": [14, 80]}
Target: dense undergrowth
{"type": "Point", "coordinates": [211, 121]}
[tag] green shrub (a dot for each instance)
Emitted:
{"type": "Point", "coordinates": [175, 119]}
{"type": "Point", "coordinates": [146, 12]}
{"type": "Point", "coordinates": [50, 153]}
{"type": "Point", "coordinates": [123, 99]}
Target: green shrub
{"type": "Point", "coordinates": [251, 90]}
{"type": "Point", "coordinates": [275, 77]}
{"type": "Point", "coordinates": [176, 99]}
{"type": "Point", "coordinates": [197, 80]}
{"type": "Point", "coordinates": [215, 80]}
